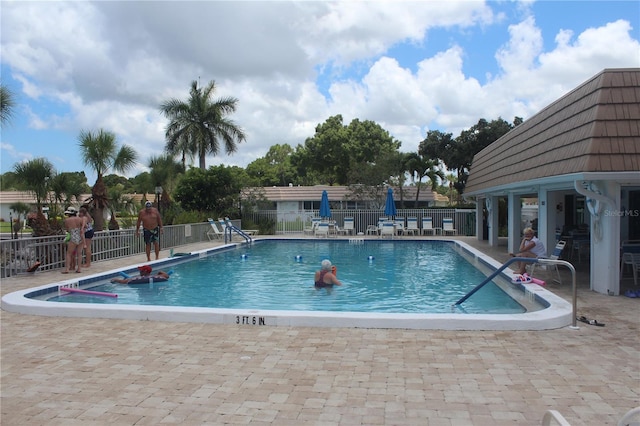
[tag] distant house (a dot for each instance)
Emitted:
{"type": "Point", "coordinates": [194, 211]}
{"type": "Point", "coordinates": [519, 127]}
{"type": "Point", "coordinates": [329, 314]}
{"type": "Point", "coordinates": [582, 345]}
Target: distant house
{"type": "Point", "coordinates": [7, 198]}
{"type": "Point", "coordinates": [580, 158]}
{"type": "Point", "coordinates": [297, 198]}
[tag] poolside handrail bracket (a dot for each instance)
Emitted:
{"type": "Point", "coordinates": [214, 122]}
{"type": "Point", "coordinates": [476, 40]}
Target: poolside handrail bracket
{"type": "Point", "coordinates": [574, 296]}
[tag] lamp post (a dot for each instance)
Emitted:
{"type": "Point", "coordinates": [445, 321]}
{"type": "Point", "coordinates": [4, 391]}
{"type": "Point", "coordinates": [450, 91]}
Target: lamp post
{"type": "Point", "coordinates": [158, 195]}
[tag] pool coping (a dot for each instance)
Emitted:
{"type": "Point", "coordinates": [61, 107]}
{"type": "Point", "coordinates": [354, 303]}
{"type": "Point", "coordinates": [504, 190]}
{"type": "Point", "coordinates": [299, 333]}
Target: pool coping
{"type": "Point", "coordinates": [556, 314]}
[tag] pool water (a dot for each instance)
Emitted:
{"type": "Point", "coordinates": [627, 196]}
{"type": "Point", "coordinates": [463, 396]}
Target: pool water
{"type": "Point", "coordinates": [378, 276]}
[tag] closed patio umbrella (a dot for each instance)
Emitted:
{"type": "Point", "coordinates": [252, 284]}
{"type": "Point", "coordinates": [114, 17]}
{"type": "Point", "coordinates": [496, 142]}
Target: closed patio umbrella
{"type": "Point", "coordinates": [390, 205]}
{"type": "Point", "coordinates": [325, 210]}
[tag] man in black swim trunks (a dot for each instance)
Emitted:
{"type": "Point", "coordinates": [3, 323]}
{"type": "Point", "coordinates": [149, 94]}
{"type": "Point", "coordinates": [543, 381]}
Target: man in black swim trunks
{"type": "Point", "coordinates": [152, 225]}
{"type": "Point", "coordinates": [325, 277]}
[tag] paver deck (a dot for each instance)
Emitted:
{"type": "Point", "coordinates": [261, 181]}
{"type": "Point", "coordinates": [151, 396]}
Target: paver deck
{"type": "Point", "coordinates": [79, 371]}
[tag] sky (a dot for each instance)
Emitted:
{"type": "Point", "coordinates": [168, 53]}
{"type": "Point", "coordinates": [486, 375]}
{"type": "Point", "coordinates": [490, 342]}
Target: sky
{"type": "Point", "coordinates": [410, 66]}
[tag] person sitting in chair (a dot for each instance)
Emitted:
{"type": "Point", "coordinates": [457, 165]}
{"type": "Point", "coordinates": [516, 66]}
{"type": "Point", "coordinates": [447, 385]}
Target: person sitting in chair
{"type": "Point", "coordinates": [531, 247]}
{"type": "Point", "coordinates": [325, 277]}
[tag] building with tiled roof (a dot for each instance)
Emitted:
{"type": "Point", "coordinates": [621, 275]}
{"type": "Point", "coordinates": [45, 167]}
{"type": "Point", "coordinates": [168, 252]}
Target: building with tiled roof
{"type": "Point", "coordinates": [580, 157]}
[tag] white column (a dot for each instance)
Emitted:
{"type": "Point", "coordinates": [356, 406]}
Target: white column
{"type": "Point", "coordinates": [492, 220]}
{"type": "Point", "coordinates": [605, 243]}
{"type": "Point", "coordinates": [479, 218]}
{"type": "Point", "coordinates": [515, 216]}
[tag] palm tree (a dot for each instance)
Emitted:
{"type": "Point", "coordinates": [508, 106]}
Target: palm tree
{"type": "Point", "coordinates": [7, 104]}
{"type": "Point", "coordinates": [196, 126]}
{"type": "Point", "coordinates": [100, 152]}
{"type": "Point", "coordinates": [421, 167]}
{"type": "Point", "coordinates": [19, 208]}
{"type": "Point", "coordinates": [34, 176]}
{"type": "Point", "coordinates": [164, 173]}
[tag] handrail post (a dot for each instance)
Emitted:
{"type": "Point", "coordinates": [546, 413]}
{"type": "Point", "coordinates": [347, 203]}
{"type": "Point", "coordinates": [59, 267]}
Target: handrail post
{"type": "Point", "coordinates": [574, 289]}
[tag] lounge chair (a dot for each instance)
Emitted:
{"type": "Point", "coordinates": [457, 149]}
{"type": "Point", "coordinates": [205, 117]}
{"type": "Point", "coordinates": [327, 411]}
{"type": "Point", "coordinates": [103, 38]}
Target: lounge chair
{"type": "Point", "coordinates": [557, 252]}
{"type": "Point", "coordinates": [312, 229]}
{"type": "Point", "coordinates": [388, 229]}
{"type": "Point", "coordinates": [427, 226]}
{"type": "Point", "coordinates": [412, 226]}
{"type": "Point", "coordinates": [214, 233]}
{"type": "Point", "coordinates": [322, 230]}
{"type": "Point", "coordinates": [447, 226]}
{"type": "Point", "coordinates": [348, 227]}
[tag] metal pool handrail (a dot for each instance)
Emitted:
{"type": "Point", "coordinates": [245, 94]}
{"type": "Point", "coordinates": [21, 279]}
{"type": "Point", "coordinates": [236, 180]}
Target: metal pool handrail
{"type": "Point", "coordinates": [574, 289]}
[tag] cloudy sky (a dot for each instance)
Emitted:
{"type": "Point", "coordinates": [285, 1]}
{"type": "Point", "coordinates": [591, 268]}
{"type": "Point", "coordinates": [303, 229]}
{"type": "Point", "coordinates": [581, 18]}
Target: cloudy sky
{"type": "Point", "coordinates": [411, 66]}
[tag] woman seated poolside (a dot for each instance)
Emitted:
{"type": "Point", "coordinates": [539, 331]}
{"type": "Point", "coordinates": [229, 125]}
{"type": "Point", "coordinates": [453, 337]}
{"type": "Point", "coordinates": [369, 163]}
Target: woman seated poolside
{"type": "Point", "coordinates": [145, 274]}
{"type": "Point", "coordinates": [325, 276]}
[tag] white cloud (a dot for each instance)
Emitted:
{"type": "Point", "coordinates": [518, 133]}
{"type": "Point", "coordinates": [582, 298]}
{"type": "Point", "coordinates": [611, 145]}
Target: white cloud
{"type": "Point", "coordinates": [110, 64]}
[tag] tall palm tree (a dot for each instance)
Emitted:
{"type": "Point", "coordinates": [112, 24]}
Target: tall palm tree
{"type": "Point", "coordinates": [421, 167]}
{"type": "Point", "coordinates": [99, 151]}
{"type": "Point", "coordinates": [196, 126]}
{"type": "Point", "coordinates": [7, 104]}
{"type": "Point", "coordinates": [34, 176]}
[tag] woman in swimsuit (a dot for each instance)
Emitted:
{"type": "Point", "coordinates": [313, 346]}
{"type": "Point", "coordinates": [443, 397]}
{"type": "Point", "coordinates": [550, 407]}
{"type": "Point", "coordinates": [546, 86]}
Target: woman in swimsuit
{"type": "Point", "coordinates": [324, 277]}
{"type": "Point", "coordinates": [88, 235]}
{"type": "Point", "coordinates": [75, 228]}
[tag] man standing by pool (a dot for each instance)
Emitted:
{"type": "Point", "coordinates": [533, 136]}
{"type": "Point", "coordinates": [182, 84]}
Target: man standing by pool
{"type": "Point", "coordinates": [152, 227]}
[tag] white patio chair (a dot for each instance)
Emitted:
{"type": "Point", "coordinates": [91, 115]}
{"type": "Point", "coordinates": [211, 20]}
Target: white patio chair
{"type": "Point", "coordinates": [412, 226]}
{"type": "Point", "coordinates": [214, 233]}
{"type": "Point", "coordinates": [349, 227]}
{"type": "Point", "coordinates": [388, 229]}
{"type": "Point", "coordinates": [557, 252]}
{"type": "Point", "coordinates": [447, 226]}
{"type": "Point", "coordinates": [322, 230]}
{"type": "Point", "coordinates": [312, 229]}
{"type": "Point", "coordinates": [427, 226]}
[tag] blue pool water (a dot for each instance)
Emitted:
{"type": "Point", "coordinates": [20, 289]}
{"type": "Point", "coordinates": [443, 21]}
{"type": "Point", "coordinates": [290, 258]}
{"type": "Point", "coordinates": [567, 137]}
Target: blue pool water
{"type": "Point", "coordinates": [378, 276]}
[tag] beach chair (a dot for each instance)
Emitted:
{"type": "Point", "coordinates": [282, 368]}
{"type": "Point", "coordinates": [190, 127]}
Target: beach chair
{"type": "Point", "coordinates": [427, 226]}
{"type": "Point", "coordinates": [447, 226]}
{"type": "Point", "coordinates": [348, 227]}
{"type": "Point", "coordinates": [322, 230]}
{"type": "Point", "coordinates": [388, 229]}
{"type": "Point", "coordinates": [399, 225]}
{"type": "Point", "coordinates": [312, 229]}
{"type": "Point", "coordinates": [412, 226]}
{"type": "Point", "coordinates": [557, 252]}
{"type": "Point", "coordinates": [214, 233]}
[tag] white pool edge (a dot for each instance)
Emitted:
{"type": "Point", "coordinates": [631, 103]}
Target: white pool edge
{"type": "Point", "coordinates": [557, 315]}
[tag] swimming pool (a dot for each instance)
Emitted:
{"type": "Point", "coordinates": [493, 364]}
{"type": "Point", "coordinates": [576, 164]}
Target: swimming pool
{"type": "Point", "coordinates": [387, 284]}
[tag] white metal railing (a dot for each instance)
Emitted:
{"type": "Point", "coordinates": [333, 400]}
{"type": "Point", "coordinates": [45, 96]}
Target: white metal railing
{"type": "Point", "coordinates": [293, 222]}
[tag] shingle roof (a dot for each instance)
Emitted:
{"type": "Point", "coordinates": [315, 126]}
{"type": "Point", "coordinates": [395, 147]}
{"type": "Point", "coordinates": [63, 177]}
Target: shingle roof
{"type": "Point", "coordinates": [593, 128]}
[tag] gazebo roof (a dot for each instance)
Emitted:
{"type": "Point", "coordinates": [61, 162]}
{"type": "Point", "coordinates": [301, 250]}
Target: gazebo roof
{"type": "Point", "coordinates": [593, 128]}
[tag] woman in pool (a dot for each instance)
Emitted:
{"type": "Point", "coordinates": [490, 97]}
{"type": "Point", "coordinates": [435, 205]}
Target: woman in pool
{"type": "Point", "coordinates": [145, 274]}
{"type": "Point", "coordinates": [325, 277]}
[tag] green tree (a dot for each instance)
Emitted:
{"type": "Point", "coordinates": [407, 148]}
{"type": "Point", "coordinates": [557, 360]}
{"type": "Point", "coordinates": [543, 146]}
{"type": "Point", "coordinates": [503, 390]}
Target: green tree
{"type": "Point", "coordinates": [274, 169]}
{"type": "Point", "coordinates": [164, 174]}
{"type": "Point", "coordinates": [215, 191]}
{"type": "Point", "coordinates": [100, 152]}
{"type": "Point", "coordinates": [196, 127]}
{"type": "Point", "coordinates": [110, 181]}
{"type": "Point", "coordinates": [335, 151]}
{"type": "Point", "coordinates": [457, 154]}
{"type": "Point", "coordinates": [421, 167]}
{"type": "Point", "coordinates": [34, 176]}
{"type": "Point", "coordinates": [64, 188]}
{"type": "Point", "coordinates": [19, 208]}
{"type": "Point", "coordinates": [7, 104]}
